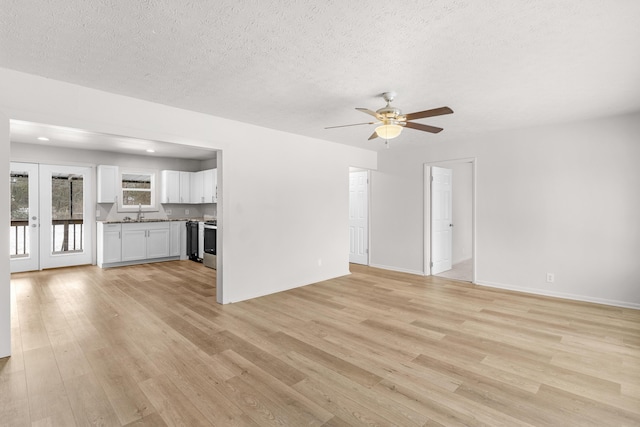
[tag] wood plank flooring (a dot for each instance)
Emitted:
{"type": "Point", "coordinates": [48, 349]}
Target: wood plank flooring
{"type": "Point", "coordinates": [148, 346]}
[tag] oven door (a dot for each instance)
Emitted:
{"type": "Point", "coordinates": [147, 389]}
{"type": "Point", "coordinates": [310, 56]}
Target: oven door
{"type": "Point", "coordinates": [210, 258]}
{"type": "Point", "coordinates": [210, 237]}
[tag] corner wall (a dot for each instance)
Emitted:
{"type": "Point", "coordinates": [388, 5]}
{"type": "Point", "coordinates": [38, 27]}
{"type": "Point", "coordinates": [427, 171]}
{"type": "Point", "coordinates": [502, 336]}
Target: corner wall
{"type": "Point", "coordinates": [563, 200]}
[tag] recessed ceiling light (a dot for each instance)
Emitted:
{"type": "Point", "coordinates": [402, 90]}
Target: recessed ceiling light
{"type": "Point", "coordinates": [43, 138]}
{"type": "Point", "coordinates": [149, 150]}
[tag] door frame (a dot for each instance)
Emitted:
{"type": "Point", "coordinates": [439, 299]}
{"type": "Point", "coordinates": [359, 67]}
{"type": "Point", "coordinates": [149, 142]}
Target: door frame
{"type": "Point", "coordinates": [427, 210]}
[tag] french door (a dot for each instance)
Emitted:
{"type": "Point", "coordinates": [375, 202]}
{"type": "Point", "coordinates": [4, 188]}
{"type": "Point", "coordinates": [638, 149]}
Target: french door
{"type": "Point", "coordinates": [25, 218]}
{"type": "Point", "coordinates": [51, 213]}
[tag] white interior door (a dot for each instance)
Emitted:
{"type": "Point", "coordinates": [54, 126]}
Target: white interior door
{"type": "Point", "coordinates": [359, 217]}
{"type": "Point", "coordinates": [441, 219]}
{"type": "Point", "coordinates": [67, 216]}
{"type": "Point", "coordinates": [25, 218]}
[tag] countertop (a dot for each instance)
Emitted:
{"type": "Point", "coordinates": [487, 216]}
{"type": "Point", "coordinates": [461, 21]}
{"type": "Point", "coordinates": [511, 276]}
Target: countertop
{"type": "Point", "coordinates": [122, 221]}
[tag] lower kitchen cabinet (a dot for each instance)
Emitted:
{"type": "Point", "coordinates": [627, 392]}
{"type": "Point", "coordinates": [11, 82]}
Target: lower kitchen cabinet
{"type": "Point", "coordinates": [178, 235]}
{"type": "Point", "coordinates": [139, 242]}
{"type": "Point", "coordinates": [145, 240]}
{"type": "Point", "coordinates": [109, 243]}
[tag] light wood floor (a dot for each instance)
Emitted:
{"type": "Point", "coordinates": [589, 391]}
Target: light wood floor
{"type": "Point", "coordinates": [148, 345]}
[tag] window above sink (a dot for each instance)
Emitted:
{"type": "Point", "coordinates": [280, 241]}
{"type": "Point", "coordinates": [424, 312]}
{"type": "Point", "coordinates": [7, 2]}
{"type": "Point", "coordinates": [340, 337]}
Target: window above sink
{"type": "Point", "coordinates": [137, 190]}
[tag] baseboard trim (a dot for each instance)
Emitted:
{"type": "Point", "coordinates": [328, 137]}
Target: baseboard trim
{"type": "Point", "coordinates": [574, 297]}
{"type": "Point", "coordinates": [399, 270]}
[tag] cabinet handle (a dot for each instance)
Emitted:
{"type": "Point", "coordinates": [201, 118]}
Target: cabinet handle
{"type": "Point", "coordinates": [119, 235]}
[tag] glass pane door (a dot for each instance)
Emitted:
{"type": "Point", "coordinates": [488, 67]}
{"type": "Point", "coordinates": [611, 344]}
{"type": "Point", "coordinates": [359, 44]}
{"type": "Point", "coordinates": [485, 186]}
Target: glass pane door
{"type": "Point", "coordinates": [67, 213]}
{"type": "Point", "coordinates": [23, 234]}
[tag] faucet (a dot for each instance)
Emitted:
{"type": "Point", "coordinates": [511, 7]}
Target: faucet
{"type": "Point", "coordinates": [140, 214]}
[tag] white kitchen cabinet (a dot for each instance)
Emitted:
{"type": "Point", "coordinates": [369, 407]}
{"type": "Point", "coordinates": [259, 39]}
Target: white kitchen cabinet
{"type": "Point", "coordinates": [145, 240]}
{"type": "Point", "coordinates": [159, 241]}
{"type": "Point", "coordinates": [109, 243]}
{"type": "Point", "coordinates": [189, 187]}
{"type": "Point", "coordinates": [210, 186]}
{"type": "Point", "coordinates": [185, 187]}
{"type": "Point", "coordinates": [169, 186]}
{"type": "Point", "coordinates": [204, 186]}
{"type": "Point", "coordinates": [134, 242]}
{"type": "Point", "coordinates": [139, 242]}
{"type": "Point", "coordinates": [108, 186]}
{"type": "Point", "coordinates": [177, 235]}
{"type": "Point", "coordinates": [197, 187]}
{"type": "Point", "coordinates": [175, 187]}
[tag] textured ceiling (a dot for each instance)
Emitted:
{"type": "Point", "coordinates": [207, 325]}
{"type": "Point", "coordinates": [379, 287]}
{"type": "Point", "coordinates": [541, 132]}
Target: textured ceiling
{"type": "Point", "coordinates": [301, 66]}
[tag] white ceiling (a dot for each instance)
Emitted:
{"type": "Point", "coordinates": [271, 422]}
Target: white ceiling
{"type": "Point", "coordinates": [301, 66]}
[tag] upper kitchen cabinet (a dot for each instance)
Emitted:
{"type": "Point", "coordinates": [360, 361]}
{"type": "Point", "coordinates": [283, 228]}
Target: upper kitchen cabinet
{"type": "Point", "coordinates": [176, 187]}
{"type": "Point", "coordinates": [108, 187]}
{"type": "Point", "coordinates": [211, 186]}
{"type": "Point", "coordinates": [197, 187]}
{"type": "Point", "coordinates": [185, 187]}
{"type": "Point", "coordinates": [204, 186]}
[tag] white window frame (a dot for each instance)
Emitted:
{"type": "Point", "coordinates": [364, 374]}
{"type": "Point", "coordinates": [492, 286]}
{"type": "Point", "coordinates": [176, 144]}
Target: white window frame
{"type": "Point", "coordinates": [153, 206]}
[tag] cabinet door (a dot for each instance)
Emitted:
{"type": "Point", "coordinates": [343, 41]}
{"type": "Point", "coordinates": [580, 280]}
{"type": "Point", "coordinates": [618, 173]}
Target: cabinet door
{"type": "Point", "coordinates": [197, 187]}
{"type": "Point", "coordinates": [112, 249]}
{"type": "Point", "coordinates": [176, 237]}
{"type": "Point", "coordinates": [185, 187]}
{"type": "Point", "coordinates": [107, 183]}
{"type": "Point", "coordinates": [134, 242]}
{"type": "Point", "coordinates": [158, 242]}
{"type": "Point", "coordinates": [210, 180]}
{"type": "Point", "coordinates": [109, 244]}
{"type": "Point", "coordinates": [170, 188]}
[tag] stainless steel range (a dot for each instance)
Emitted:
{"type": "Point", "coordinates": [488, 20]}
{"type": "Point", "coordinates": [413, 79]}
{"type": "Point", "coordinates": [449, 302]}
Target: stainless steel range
{"type": "Point", "coordinates": [202, 242]}
{"type": "Point", "coordinates": [210, 253]}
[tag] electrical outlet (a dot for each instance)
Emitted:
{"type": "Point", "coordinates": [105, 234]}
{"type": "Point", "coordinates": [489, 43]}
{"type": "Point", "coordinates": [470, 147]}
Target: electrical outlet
{"type": "Point", "coordinates": [319, 262]}
{"type": "Point", "coordinates": [167, 211]}
{"type": "Point", "coordinates": [550, 277]}
{"type": "Point", "coordinates": [186, 211]}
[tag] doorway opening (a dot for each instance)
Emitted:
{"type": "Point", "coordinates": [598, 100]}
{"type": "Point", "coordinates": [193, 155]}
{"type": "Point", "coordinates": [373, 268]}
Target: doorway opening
{"type": "Point", "coordinates": [68, 237]}
{"type": "Point", "coordinates": [449, 226]}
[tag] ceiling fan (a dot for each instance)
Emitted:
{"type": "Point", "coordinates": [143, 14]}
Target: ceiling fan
{"type": "Point", "coordinates": [392, 121]}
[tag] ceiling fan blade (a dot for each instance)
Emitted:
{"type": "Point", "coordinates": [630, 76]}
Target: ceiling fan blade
{"type": "Point", "coordinates": [429, 113]}
{"type": "Point", "coordinates": [373, 136]}
{"type": "Point", "coordinates": [373, 113]}
{"type": "Point", "coordinates": [355, 124]}
{"type": "Point", "coordinates": [420, 126]}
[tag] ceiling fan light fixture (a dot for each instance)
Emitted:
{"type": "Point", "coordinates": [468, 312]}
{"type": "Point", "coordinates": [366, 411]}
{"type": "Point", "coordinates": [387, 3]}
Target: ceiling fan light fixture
{"type": "Point", "coordinates": [388, 131]}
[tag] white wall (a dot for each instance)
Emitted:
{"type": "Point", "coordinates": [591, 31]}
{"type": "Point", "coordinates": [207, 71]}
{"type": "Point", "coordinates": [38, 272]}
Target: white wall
{"type": "Point", "coordinates": [5, 194]}
{"type": "Point", "coordinates": [562, 199]}
{"type": "Point", "coordinates": [285, 196]}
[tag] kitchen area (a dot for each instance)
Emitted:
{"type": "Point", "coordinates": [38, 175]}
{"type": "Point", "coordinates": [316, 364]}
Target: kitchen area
{"type": "Point", "coordinates": [137, 228]}
{"type": "Point", "coordinates": [124, 201]}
